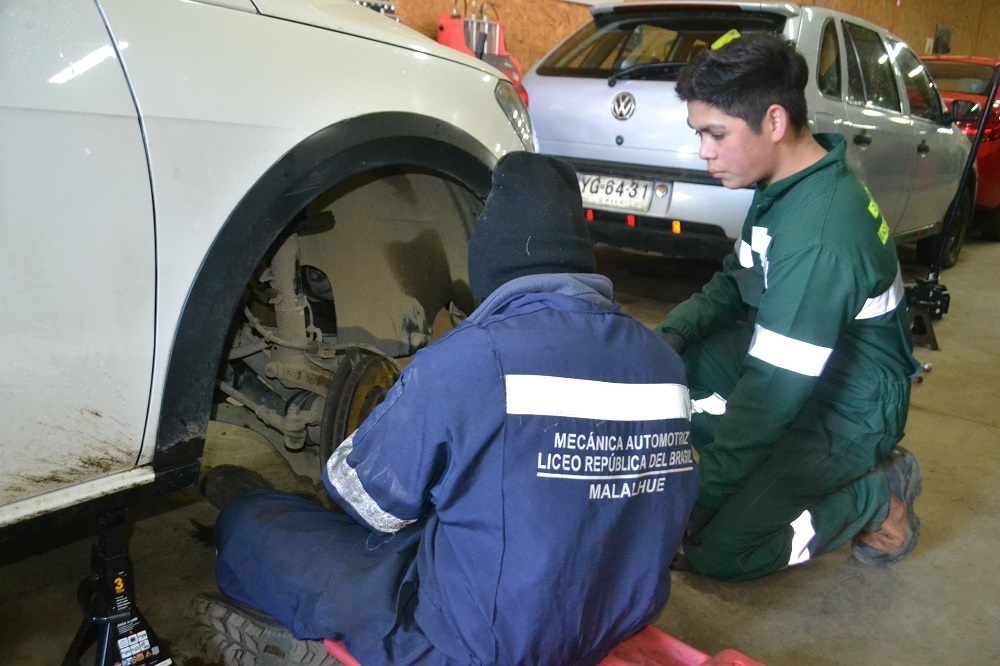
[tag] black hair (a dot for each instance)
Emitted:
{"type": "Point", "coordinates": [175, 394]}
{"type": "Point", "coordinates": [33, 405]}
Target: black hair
{"type": "Point", "coordinates": [746, 76]}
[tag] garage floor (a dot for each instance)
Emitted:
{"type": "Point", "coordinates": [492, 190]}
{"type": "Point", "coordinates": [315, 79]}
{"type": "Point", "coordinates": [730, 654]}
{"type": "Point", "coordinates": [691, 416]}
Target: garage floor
{"type": "Point", "coordinates": [940, 606]}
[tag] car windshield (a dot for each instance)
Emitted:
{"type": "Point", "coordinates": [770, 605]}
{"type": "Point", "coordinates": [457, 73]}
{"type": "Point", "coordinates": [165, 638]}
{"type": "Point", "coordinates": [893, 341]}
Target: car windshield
{"type": "Point", "coordinates": [961, 77]}
{"type": "Point", "coordinates": [623, 39]}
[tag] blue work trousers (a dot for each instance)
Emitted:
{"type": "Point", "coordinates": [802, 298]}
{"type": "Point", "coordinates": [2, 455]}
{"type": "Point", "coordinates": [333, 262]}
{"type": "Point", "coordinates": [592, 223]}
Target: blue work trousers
{"type": "Point", "coordinates": [322, 575]}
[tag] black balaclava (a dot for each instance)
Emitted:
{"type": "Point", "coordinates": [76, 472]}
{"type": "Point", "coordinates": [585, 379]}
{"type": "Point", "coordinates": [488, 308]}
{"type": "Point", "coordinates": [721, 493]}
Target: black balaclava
{"type": "Point", "coordinates": [532, 223]}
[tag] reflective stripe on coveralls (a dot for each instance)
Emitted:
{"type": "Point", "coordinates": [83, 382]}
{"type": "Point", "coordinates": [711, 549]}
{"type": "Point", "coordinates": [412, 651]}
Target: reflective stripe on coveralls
{"type": "Point", "coordinates": [876, 306]}
{"type": "Point", "coordinates": [795, 355]}
{"type": "Point", "coordinates": [802, 534]}
{"type": "Point", "coordinates": [583, 398]}
{"type": "Point", "coordinates": [760, 240]}
{"type": "Point", "coordinates": [782, 351]}
{"type": "Point", "coordinates": [886, 301]}
{"type": "Point", "coordinates": [345, 479]}
{"type": "Point", "coordinates": [714, 404]}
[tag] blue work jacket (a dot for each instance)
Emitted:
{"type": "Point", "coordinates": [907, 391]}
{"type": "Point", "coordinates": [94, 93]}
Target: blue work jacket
{"type": "Point", "coordinates": [542, 449]}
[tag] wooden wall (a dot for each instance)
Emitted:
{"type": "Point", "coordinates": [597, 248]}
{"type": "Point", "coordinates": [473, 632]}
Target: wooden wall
{"type": "Point", "coordinates": [975, 24]}
{"type": "Point", "coordinates": [533, 27]}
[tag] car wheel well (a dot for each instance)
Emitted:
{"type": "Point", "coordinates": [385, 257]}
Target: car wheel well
{"type": "Point", "coordinates": [280, 198]}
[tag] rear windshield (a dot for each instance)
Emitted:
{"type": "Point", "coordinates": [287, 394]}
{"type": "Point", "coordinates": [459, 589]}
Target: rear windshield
{"type": "Point", "coordinates": [622, 39]}
{"type": "Point", "coordinates": [961, 77]}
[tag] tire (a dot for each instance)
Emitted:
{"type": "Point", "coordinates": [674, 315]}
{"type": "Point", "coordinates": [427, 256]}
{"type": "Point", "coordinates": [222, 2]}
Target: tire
{"type": "Point", "coordinates": [928, 249]}
{"type": "Point", "coordinates": [989, 224]}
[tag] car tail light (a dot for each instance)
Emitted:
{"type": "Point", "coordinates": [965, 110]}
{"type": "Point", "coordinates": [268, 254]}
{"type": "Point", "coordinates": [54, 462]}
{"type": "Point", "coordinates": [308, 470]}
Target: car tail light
{"type": "Point", "coordinates": [515, 78]}
{"type": "Point", "coordinates": [992, 130]}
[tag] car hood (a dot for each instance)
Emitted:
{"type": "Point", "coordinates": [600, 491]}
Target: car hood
{"type": "Point", "coordinates": [348, 17]}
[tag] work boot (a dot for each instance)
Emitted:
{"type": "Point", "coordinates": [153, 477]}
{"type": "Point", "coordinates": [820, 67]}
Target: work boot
{"type": "Point", "coordinates": [234, 634]}
{"type": "Point", "coordinates": [221, 484]}
{"type": "Point", "coordinates": [898, 534]}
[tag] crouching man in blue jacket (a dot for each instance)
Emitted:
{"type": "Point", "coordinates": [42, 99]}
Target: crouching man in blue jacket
{"type": "Point", "coordinates": [520, 493]}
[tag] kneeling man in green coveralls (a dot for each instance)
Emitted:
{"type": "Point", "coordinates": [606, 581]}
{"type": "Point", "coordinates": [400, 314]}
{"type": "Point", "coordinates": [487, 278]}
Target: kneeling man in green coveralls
{"type": "Point", "coordinates": [798, 352]}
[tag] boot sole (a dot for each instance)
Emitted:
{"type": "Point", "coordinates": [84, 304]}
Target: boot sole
{"type": "Point", "coordinates": [905, 482]}
{"type": "Point", "coordinates": [237, 636]}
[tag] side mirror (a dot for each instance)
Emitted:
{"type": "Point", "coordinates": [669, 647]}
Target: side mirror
{"type": "Point", "coordinates": [964, 111]}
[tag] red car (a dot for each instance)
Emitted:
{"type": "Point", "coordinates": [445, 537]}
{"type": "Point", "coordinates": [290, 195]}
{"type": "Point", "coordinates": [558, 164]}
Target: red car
{"type": "Point", "coordinates": [968, 78]}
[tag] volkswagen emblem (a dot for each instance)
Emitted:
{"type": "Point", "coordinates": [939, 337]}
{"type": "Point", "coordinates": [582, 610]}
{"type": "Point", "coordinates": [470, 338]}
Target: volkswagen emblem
{"type": "Point", "coordinates": [623, 106]}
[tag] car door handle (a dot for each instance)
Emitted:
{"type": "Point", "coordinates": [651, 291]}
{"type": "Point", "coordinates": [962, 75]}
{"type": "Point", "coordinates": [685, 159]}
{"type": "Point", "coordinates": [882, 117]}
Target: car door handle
{"type": "Point", "coordinates": [863, 139]}
{"type": "Point", "coordinates": [924, 147]}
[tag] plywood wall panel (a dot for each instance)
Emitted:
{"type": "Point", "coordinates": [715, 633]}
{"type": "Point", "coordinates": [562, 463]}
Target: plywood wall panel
{"type": "Point", "coordinates": [975, 24]}
{"type": "Point", "coordinates": [533, 27]}
{"type": "Point", "coordinates": [880, 12]}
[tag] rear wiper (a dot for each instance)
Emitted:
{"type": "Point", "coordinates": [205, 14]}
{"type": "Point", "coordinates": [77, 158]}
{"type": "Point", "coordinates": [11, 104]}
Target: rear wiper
{"type": "Point", "coordinates": [671, 68]}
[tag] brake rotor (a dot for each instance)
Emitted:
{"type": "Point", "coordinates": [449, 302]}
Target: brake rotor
{"type": "Point", "coordinates": [357, 387]}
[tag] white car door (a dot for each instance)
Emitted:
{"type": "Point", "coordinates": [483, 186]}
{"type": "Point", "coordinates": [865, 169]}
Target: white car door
{"type": "Point", "coordinates": [77, 257]}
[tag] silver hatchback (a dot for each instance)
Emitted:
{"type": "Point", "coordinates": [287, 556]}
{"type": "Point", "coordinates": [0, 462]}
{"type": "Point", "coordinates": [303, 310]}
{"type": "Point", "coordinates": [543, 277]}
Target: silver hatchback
{"type": "Point", "coordinates": [604, 100]}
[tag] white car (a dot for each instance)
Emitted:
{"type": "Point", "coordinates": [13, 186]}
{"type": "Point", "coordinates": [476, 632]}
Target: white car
{"type": "Point", "coordinates": [252, 205]}
{"type": "Point", "coordinates": [604, 100]}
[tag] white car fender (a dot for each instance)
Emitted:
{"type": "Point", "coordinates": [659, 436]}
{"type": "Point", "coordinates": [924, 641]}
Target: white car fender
{"type": "Point", "coordinates": [187, 109]}
{"type": "Point", "coordinates": [153, 152]}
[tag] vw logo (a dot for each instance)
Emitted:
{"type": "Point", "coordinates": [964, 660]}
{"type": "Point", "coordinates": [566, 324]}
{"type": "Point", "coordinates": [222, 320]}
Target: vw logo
{"type": "Point", "coordinates": [623, 106]}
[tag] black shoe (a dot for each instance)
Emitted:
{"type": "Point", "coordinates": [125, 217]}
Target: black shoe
{"type": "Point", "coordinates": [234, 634]}
{"type": "Point", "coordinates": [898, 534]}
{"type": "Point", "coordinates": [221, 484]}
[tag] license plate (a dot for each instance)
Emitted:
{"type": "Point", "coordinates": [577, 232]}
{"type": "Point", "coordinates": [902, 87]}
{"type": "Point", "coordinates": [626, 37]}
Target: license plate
{"type": "Point", "coordinates": [615, 192]}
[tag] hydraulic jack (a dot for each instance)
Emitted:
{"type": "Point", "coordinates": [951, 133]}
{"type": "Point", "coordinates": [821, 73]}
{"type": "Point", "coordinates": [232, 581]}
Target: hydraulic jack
{"type": "Point", "coordinates": [112, 621]}
{"type": "Point", "coordinates": [928, 301]}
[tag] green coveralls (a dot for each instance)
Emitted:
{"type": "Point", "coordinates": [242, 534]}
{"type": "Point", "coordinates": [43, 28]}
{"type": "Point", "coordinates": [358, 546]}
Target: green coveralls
{"type": "Point", "coordinates": [799, 361]}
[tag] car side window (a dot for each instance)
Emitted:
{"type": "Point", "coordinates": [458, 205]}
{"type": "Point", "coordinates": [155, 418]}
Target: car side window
{"type": "Point", "coordinates": [872, 64]}
{"type": "Point", "coordinates": [855, 81]}
{"type": "Point", "coordinates": [925, 102]}
{"type": "Point", "coordinates": [828, 65]}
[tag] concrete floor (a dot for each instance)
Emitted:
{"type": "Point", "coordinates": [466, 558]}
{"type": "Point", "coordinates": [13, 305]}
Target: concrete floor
{"type": "Point", "coordinates": [940, 606]}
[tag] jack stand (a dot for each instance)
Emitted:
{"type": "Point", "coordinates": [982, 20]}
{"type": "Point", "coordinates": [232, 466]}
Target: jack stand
{"type": "Point", "coordinates": [107, 597]}
{"type": "Point", "coordinates": [927, 300]}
